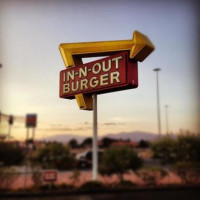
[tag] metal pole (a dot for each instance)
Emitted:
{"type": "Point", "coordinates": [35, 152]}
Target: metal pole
{"type": "Point", "coordinates": [95, 140]}
{"type": "Point", "coordinates": [167, 123]}
{"type": "Point", "coordinates": [33, 133]}
{"type": "Point", "coordinates": [158, 102]}
{"type": "Point", "coordinates": [26, 159]}
{"type": "Point", "coordinates": [9, 131]}
{"type": "Point", "coordinates": [33, 138]}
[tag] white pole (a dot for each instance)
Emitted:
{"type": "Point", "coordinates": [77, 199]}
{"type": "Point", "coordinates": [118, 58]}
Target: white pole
{"type": "Point", "coordinates": [26, 159]}
{"type": "Point", "coordinates": [9, 131]}
{"type": "Point", "coordinates": [95, 141]}
{"type": "Point", "coordinates": [158, 102]}
{"type": "Point", "coordinates": [167, 123]}
{"type": "Point", "coordinates": [33, 138]}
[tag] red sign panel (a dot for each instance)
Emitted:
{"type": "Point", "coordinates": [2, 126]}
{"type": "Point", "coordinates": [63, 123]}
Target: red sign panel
{"type": "Point", "coordinates": [50, 175]}
{"type": "Point", "coordinates": [113, 73]}
{"type": "Point", "coordinates": [31, 120]}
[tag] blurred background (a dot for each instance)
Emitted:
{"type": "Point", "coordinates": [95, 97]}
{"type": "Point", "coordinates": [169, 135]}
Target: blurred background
{"type": "Point", "coordinates": [31, 31]}
{"type": "Point", "coordinates": [30, 62]}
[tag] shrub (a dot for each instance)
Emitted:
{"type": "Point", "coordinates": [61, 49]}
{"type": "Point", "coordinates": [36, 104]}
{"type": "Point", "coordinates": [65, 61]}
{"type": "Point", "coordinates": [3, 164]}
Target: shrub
{"type": "Point", "coordinates": [56, 155]}
{"type": "Point", "coordinates": [75, 177]}
{"type": "Point", "coordinates": [48, 186]}
{"type": "Point", "coordinates": [64, 186]}
{"type": "Point", "coordinates": [151, 175]}
{"type": "Point", "coordinates": [36, 177]}
{"type": "Point", "coordinates": [7, 177]}
{"type": "Point", "coordinates": [125, 184]}
{"type": "Point", "coordinates": [118, 160]}
{"type": "Point", "coordinates": [11, 154]}
{"type": "Point", "coordinates": [92, 185]}
{"type": "Point", "coordinates": [188, 172]}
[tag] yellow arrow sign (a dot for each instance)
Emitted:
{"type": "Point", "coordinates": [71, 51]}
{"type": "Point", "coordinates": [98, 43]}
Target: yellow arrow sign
{"type": "Point", "coordinates": [72, 53]}
{"type": "Point", "coordinates": [140, 47]}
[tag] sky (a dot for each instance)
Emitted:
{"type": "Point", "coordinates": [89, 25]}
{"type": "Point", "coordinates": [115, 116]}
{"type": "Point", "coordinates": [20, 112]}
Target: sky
{"type": "Point", "coordinates": [31, 31]}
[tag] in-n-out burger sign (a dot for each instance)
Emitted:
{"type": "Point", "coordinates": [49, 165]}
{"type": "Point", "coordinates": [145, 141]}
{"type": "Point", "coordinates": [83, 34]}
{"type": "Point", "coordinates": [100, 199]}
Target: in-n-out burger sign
{"type": "Point", "coordinates": [113, 73]}
{"type": "Point", "coordinates": [101, 77]}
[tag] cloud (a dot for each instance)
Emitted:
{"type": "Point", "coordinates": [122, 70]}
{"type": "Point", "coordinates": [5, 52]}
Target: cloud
{"type": "Point", "coordinates": [112, 124]}
{"type": "Point", "coordinates": [82, 128]}
{"type": "Point", "coordinates": [56, 129]}
{"type": "Point", "coordinates": [56, 125]}
{"type": "Point", "coordinates": [86, 126]}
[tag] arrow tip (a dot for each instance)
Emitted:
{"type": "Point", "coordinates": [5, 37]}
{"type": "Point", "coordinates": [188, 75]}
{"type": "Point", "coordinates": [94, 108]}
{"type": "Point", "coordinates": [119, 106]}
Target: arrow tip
{"type": "Point", "coordinates": [142, 47]}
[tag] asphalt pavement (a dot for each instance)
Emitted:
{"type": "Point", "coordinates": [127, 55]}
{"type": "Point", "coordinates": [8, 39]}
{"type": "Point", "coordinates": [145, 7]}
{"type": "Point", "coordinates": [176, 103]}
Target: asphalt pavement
{"type": "Point", "coordinates": [161, 194]}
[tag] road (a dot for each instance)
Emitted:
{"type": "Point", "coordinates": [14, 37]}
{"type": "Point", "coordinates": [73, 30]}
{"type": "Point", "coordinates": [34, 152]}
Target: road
{"type": "Point", "coordinates": [172, 194]}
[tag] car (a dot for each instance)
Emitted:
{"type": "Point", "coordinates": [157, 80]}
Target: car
{"type": "Point", "coordinates": [84, 159]}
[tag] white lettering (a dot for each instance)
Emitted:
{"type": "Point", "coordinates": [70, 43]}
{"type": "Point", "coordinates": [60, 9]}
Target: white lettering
{"type": "Point", "coordinates": [82, 72]}
{"type": "Point", "coordinates": [117, 61]}
{"type": "Point", "coordinates": [114, 76]}
{"type": "Point", "coordinates": [104, 79]}
{"type": "Point", "coordinates": [73, 86]}
{"type": "Point", "coordinates": [94, 82]}
{"type": "Point", "coordinates": [104, 67]}
{"type": "Point", "coordinates": [70, 75]}
{"type": "Point", "coordinates": [66, 88]}
{"type": "Point", "coordinates": [64, 77]}
{"type": "Point", "coordinates": [84, 83]}
{"type": "Point", "coordinates": [98, 68]}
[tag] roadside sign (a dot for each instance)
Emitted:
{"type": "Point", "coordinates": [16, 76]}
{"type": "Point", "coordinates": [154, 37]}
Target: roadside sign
{"type": "Point", "coordinates": [31, 120]}
{"type": "Point", "coordinates": [50, 175]}
{"type": "Point", "coordinates": [139, 48]}
{"type": "Point", "coordinates": [114, 73]}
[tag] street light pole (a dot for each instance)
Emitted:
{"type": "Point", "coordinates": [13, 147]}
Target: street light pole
{"type": "Point", "coordinates": [167, 122]}
{"type": "Point", "coordinates": [158, 101]}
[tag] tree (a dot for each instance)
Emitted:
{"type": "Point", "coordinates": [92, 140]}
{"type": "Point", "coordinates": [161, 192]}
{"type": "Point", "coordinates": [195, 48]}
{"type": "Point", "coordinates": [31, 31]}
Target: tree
{"type": "Point", "coordinates": [11, 154]}
{"type": "Point", "coordinates": [143, 144]}
{"type": "Point", "coordinates": [118, 160]}
{"type": "Point", "coordinates": [73, 143]}
{"type": "Point", "coordinates": [55, 155]}
{"type": "Point", "coordinates": [188, 148]}
{"type": "Point", "coordinates": [106, 142]}
{"type": "Point", "coordinates": [184, 148]}
{"type": "Point", "coordinates": [87, 142]}
{"type": "Point", "coordinates": [165, 149]}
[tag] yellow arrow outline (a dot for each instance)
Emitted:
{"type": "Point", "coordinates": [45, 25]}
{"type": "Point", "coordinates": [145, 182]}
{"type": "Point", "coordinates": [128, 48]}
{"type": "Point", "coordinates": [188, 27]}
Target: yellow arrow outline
{"type": "Point", "coordinates": [72, 53]}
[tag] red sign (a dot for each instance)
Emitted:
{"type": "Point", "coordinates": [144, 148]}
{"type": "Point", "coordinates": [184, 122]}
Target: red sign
{"type": "Point", "coordinates": [113, 73]}
{"type": "Point", "coordinates": [31, 120]}
{"type": "Point", "coordinates": [50, 175]}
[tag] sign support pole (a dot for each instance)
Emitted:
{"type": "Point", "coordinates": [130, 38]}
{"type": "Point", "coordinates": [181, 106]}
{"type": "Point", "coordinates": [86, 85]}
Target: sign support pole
{"type": "Point", "coordinates": [26, 161]}
{"type": "Point", "coordinates": [95, 141]}
{"type": "Point", "coordinates": [9, 131]}
{"type": "Point", "coordinates": [33, 138]}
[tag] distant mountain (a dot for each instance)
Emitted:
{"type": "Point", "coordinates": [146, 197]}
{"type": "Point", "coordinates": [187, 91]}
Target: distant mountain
{"type": "Point", "coordinates": [63, 138]}
{"type": "Point", "coordinates": [133, 136]}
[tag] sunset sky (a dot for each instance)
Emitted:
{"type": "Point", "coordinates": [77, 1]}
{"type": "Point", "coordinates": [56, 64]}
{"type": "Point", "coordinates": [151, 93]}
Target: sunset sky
{"type": "Point", "coordinates": [31, 31]}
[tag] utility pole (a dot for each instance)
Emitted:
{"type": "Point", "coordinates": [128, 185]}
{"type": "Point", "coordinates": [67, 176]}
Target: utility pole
{"type": "Point", "coordinates": [158, 101]}
{"type": "Point", "coordinates": [10, 122]}
{"type": "Point", "coordinates": [167, 122]}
